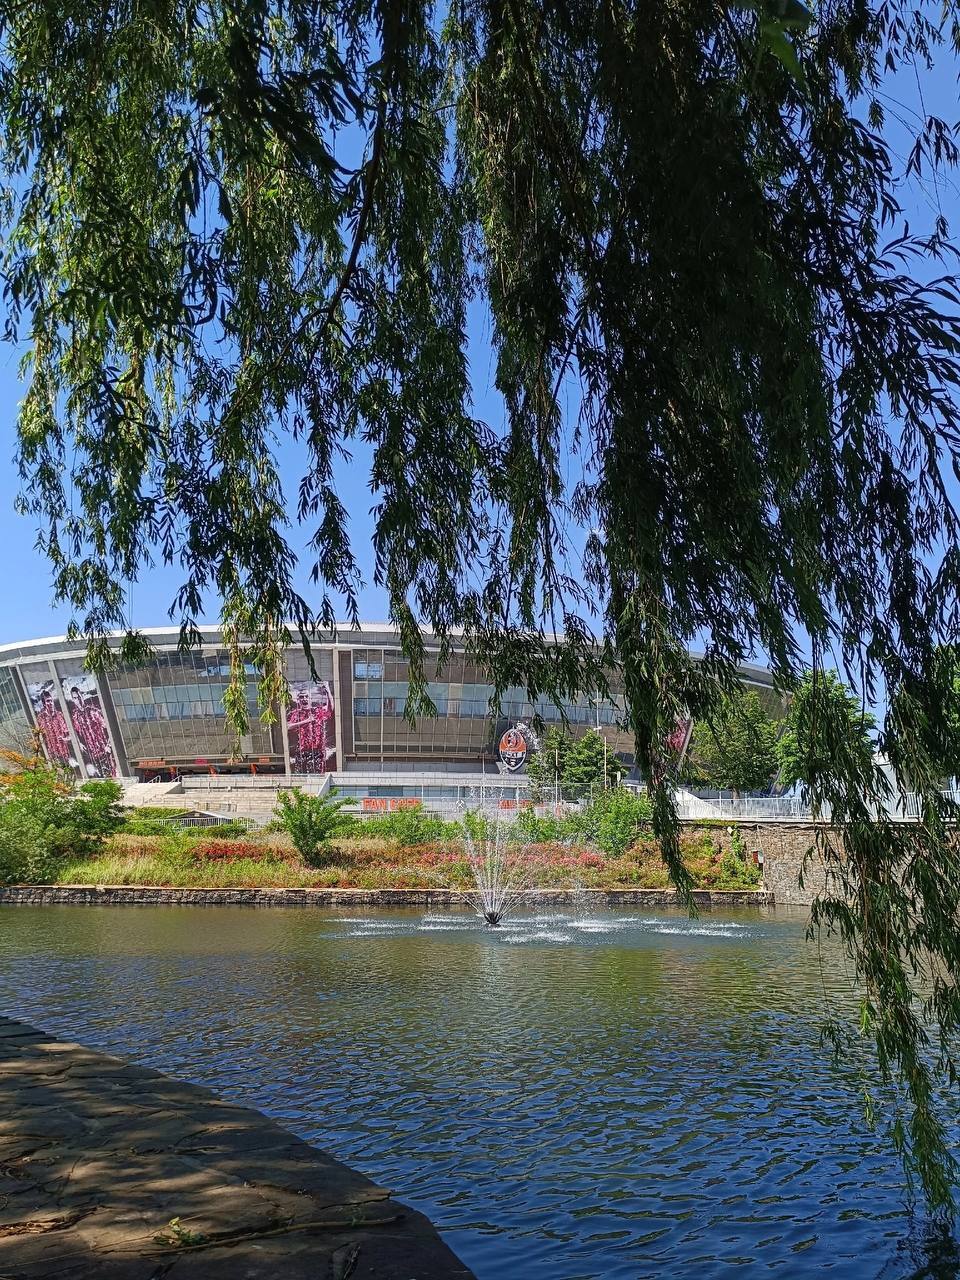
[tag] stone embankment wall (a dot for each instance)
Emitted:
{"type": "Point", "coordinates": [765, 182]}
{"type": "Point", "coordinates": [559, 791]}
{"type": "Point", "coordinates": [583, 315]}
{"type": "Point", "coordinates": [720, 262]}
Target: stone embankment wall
{"type": "Point", "coordinates": [135, 895]}
{"type": "Point", "coordinates": [784, 847]}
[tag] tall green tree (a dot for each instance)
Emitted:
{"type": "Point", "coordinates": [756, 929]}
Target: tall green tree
{"type": "Point", "coordinates": [737, 748]}
{"type": "Point", "coordinates": [825, 717]}
{"type": "Point", "coordinates": [227, 222]}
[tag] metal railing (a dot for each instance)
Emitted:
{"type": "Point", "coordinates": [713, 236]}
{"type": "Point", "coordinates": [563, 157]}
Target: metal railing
{"type": "Point", "coordinates": [769, 808]}
{"type": "Point", "coordinates": [911, 802]}
{"type": "Point", "coordinates": [200, 820]}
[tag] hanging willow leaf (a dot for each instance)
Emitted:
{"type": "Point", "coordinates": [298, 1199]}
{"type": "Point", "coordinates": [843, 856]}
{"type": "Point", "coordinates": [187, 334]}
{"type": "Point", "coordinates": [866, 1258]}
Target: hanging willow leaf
{"type": "Point", "coordinates": [775, 39]}
{"type": "Point", "coordinates": [729, 373]}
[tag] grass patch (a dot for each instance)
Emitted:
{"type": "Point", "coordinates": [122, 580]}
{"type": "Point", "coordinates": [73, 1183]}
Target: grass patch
{"type": "Point", "coordinates": [196, 859]}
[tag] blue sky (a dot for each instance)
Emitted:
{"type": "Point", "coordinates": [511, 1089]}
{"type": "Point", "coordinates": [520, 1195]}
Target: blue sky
{"type": "Point", "coordinates": [29, 610]}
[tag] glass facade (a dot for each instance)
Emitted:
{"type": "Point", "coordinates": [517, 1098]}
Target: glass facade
{"type": "Point", "coordinates": [172, 711]}
{"type": "Point", "coordinates": [15, 728]}
{"type": "Point", "coordinates": [464, 728]}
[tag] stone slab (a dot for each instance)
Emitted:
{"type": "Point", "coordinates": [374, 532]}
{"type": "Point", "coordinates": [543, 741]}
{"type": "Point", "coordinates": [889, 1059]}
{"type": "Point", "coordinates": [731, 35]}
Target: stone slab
{"type": "Point", "coordinates": [116, 1172]}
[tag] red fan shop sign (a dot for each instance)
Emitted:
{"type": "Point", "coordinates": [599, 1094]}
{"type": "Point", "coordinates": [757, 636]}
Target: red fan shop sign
{"type": "Point", "coordinates": [380, 804]}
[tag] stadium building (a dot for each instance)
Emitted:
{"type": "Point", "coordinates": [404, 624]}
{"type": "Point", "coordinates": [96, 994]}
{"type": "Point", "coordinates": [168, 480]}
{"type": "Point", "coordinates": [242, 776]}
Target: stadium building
{"type": "Point", "coordinates": [164, 720]}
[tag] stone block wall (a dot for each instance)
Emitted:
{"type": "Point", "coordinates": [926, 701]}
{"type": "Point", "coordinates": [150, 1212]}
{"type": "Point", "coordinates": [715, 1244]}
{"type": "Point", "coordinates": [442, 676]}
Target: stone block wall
{"type": "Point", "coordinates": [143, 896]}
{"type": "Point", "coordinates": [784, 846]}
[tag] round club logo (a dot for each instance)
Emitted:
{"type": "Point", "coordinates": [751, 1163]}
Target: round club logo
{"type": "Point", "coordinates": [512, 749]}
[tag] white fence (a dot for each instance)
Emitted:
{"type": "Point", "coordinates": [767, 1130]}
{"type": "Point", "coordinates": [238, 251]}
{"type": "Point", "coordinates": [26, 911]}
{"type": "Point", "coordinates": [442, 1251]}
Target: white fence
{"type": "Point", "coordinates": [911, 807]}
{"type": "Point", "coordinates": [773, 808]}
{"type": "Point", "coordinates": [759, 808]}
{"type": "Point", "coordinates": [176, 822]}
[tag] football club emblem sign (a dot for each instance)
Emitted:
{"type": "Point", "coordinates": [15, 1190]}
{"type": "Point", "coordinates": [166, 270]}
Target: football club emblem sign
{"type": "Point", "coordinates": [512, 749]}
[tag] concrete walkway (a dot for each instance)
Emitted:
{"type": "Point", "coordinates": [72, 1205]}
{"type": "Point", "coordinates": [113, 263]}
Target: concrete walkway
{"type": "Point", "coordinates": [117, 1172]}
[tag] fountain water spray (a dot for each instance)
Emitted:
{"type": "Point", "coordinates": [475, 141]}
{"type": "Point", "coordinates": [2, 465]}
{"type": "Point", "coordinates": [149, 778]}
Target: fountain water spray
{"type": "Point", "coordinates": [497, 866]}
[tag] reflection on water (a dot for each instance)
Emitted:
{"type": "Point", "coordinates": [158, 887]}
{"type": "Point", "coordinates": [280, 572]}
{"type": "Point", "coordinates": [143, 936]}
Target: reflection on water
{"type": "Point", "coordinates": [569, 1097]}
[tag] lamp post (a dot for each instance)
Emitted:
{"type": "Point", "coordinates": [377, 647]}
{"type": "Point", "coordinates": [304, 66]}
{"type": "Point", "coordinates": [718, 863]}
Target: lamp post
{"type": "Point", "coordinates": [596, 700]}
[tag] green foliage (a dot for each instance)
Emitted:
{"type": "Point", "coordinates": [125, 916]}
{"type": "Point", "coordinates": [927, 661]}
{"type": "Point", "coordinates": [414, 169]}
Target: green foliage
{"type": "Point", "coordinates": [716, 364]}
{"type": "Point", "coordinates": [25, 853]}
{"type": "Point", "coordinates": [533, 829]}
{"type": "Point", "coordinates": [546, 765]}
{"type": "Point", "coordinates": [736, 749]}
{"type": "Point", "coordinates": [615, 820]}
{"type": "Point", "coordinates": [312, 822]}
{"type": "Point", "coordinates": [96, 810]}
{"type": "Point", "coordinates": [937, 721]}
{"type": "Point", "coordinates": [408, 826]}
{"type": "Point", "coordinates": [45, 817]}
{"type": "Point", "coordinates": [737, 866]}
{"type": "Point", "coordinates": [477, 825]}
{"type": "Point", "coordinates": [589, 767]}
{"type": "Point", "coordinates": [179, 1236]}
{"type": "Point", "coordinates": [826, 720]}
{"type": "Point", "coordinates": [578, 766]}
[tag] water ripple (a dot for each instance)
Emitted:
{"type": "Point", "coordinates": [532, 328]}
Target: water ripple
{"type": "Point", "coordinates": [574, 1096]}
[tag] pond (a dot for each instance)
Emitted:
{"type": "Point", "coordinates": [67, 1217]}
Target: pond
{"type": "Point", "coordinates": [572, 1097]}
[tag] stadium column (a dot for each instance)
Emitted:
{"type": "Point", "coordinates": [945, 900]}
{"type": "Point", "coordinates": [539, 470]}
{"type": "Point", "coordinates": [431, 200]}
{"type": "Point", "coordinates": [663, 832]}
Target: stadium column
{"type": "Point", "coordinates": [21, 691]}
{"type": "Point", "coordinates": [338, 711]}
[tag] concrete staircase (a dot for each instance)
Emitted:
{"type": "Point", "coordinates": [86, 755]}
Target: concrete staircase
{"type": "Point", "coordinates": [228, 796]}
{"type": "Point", "coordinates": [167, 795]}
{"type": "Point", "coordinates": [255, 804]}
{"type": "Point", "coordinates": [237, 797]}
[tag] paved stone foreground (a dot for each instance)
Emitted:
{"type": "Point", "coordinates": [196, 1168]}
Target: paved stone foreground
{"type": "Point", "coordinates": [118, 1172]}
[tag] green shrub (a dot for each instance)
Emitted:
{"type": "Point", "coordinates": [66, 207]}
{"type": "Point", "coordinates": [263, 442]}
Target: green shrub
{"type": "Point", "coordinates": [736, 865]}
{"type": "Point", "coordinates": [25, 856]}
{"type": "Point", "coordinates": [96, 809]}
{"type": "Point", "coordinates": [477, 825]}
{"type": "Point", "coordinates": [312, 822]}
{"type": "Point", "coordinates": [614, 821]}
{"type": "Point", "coordinates": [409, 826]}
{"type": "Point", "coordinates": [45, 817]}
{"type": "Point", "coordinates": [536, 830]}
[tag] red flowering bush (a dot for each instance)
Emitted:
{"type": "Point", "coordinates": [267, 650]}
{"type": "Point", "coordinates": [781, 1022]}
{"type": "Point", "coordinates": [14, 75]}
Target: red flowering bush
{"type": "Point", "coordinates": [233, 851]}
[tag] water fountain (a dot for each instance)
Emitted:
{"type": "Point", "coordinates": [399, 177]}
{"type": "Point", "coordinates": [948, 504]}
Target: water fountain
{"type": "Point", "coordinates": [497, 866]}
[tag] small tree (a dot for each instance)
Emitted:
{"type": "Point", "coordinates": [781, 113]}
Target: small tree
{"type": "Point", "coordinates": [737, 748]}
{"type": "Point", "coordinates": [96, 809]}
{"type": "Point", "coordinates": [589, 767]}
{"type": "Point", "coordinates": [312, 822]}
{"type": "Point", "coordinates": [44, 816]}
{"type": "Point", "coordinates": [546, 765]}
